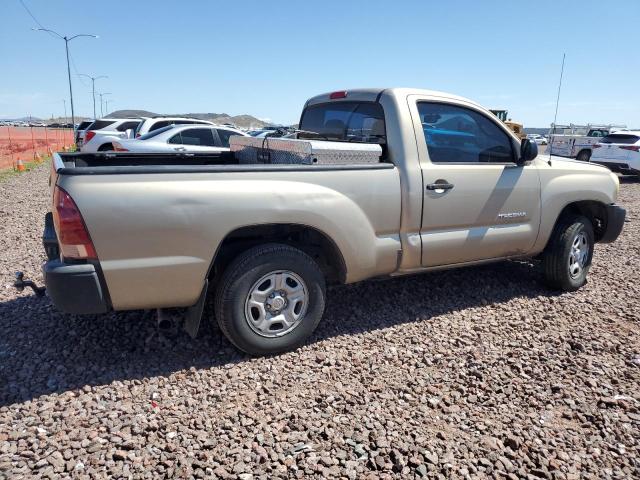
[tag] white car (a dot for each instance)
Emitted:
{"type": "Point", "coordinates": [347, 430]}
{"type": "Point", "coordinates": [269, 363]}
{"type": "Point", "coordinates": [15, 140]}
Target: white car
{"type": "Point", "coordinates": [101, 134]}
{"type": "Point", "coordinates": [181, 138]}
{"type": "Point", "coordinates": [620, 151]}
{"type": "Point", "coordinates": [155, 123]}
{"type": "Point", "coordinates": [81, 128]}
{"type": "Point", "coordinates": [538, 139]}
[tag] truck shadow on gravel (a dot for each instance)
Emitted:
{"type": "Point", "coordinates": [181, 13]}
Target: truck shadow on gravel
{"type": "Point", "coordinates": [44, 352]}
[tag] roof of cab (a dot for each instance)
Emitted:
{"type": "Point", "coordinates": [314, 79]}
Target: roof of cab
{"type": "Point", "coordinates": [373, 94]}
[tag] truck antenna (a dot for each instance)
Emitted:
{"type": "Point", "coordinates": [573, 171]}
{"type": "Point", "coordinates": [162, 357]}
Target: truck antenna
{"type": "Point", "coordinates": [555, 117]}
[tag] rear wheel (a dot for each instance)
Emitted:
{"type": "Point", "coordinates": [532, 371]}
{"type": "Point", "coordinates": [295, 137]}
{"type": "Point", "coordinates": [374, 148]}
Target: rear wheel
{"type": "Point", "coordinates": [584, 156]}
{"type": "Point", "coordinates": [270, 299]}
{"type": "Point", "coordinates": [567, 258]}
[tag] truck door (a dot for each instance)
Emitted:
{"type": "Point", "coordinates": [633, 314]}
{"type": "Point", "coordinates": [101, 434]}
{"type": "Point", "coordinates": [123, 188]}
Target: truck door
{"type": "Point", "coordinates": [477, 204]}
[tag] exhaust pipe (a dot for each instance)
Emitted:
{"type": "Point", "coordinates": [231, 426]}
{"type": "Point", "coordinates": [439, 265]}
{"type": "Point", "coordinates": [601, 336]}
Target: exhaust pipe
{"type": "Point", "coordinates": [166, 323]}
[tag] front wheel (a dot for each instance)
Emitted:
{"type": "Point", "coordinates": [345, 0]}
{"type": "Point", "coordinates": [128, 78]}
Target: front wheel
{"type": "Point", "coordinates": [567, 258]}
{"type": "Point", "coordinates": [270, 299]}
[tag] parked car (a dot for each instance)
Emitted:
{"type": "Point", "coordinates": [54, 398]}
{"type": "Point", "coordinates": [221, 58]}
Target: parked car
{"type": "Point", "coordinates": [538, 139]}
{"type": "Point", "coordinates": [620, 152]}
{"type": "Point", "coordinates": [82, 127]}
{"type": "Point", "coordinates": [154, 123]}
{"type": "Point", "coordinates": [101, 134]}
{"type": "Point", "coordinates": [271, 133]}
{"type": "Point", "coordinates": [453, 187]}
{"type": "Point", "coordinates": [180, 138]}
{"type": "Point", "coordinates": [576, 141]}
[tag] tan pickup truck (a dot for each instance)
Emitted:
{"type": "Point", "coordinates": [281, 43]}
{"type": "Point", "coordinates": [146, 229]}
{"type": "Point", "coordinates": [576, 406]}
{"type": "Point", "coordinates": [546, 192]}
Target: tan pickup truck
{"type": "Point", "coordinates": [453, 187]}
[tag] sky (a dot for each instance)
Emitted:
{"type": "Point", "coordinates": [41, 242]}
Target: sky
{"type": "Point", "coordinates": [266, 58]}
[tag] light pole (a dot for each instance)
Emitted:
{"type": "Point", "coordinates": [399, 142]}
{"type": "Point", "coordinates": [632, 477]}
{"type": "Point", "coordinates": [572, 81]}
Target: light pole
{"type": "Point", "coordinates": [101, 95]}
{"type": "Point", "coordinates": [106, 104]}
{"type": "Point", "coordinates": [93, 88]}
{"type": "Point", "coordinates": [64, 102]}
{"type": "Point", "coordinates": [66, 46]}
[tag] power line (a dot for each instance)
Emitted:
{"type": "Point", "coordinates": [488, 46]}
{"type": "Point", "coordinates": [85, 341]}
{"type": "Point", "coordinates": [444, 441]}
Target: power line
{"type": "Point", "coordinates": [34, 17]}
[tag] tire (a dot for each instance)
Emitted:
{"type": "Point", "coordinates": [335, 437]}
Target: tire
{"type": "Point", "coordinates": [584, 156]}
{"type": "Point", "coordinates": [107, 147]}
{"type": "Point", "coordinates": [250, 323]}
{"type": "Point", "coordinates": [560, 259]}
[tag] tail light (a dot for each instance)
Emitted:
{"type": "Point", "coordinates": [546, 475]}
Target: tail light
{"type": "Point", "coordinates": [73, 236]}
{"type": "Point", "coordinates": [633, 148]}
{"type": "Point", "coordinates": [337, 95]}
{"type": "Point", "coordinates": [118, 148]}
{"type": "Point", "coordinates": [89, 135]}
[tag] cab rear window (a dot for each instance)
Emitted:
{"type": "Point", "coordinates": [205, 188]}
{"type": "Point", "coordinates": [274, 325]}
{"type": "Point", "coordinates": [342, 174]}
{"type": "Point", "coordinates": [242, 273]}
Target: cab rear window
{"type": "Point", "coordinates": [344, 121]}
{"type": "Point", "coordinates": [99, 124]}
{"type": "Point", "coordinates": [622, 138]}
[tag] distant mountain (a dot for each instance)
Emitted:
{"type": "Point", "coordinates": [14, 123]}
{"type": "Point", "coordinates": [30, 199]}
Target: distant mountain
{"type": "Point", "coordinates": [242, 121]}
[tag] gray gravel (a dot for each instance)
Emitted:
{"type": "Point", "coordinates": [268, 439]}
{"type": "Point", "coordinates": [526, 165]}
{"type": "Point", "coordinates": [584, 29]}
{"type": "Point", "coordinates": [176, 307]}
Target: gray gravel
{"type": "Point", "coordinates": [476, 373]}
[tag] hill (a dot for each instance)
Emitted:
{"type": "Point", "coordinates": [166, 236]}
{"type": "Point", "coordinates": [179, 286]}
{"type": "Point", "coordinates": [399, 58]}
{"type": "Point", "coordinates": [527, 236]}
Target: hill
{"type": "Point", "coordinates": [243, 121]}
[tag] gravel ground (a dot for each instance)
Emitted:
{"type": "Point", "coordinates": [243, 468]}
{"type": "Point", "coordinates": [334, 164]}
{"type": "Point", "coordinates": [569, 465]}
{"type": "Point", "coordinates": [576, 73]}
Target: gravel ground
{"type": "Point", "coordinates": [479, 373]}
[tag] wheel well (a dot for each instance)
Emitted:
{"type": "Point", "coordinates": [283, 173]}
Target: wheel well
{"type": "Point", "coordinates": [596, 212]}
{"type": "Point", "coordinates": [105, 146]}
{"type": "Point", "coordinates": [311, 241]}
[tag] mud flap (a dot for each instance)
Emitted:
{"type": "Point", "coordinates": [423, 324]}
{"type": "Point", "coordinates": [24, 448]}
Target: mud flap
{"type": "Point", "coordinates": [193, 314]}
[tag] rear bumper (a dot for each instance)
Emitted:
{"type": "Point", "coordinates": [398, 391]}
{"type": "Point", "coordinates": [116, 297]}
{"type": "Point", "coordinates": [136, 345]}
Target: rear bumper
{"type": "Point", "coordinates": [618, 167]}
{"type": "Point", "coordinates": [74, 288]}
{"type": "Point", "coordinates": [615, 222]}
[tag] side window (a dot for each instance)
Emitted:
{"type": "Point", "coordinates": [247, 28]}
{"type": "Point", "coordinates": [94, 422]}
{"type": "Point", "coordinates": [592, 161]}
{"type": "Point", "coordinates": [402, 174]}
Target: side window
{"type": "Point", "coordinates": [194, 136]}
{"type": "Point", "coordinates": [127, 125]}
{"type": "Point", "coordinates": [460, 135]}
{"type": "Point", "coordinates": [157, 125]}
{"type": "Point", "coordinates": [224, 136]}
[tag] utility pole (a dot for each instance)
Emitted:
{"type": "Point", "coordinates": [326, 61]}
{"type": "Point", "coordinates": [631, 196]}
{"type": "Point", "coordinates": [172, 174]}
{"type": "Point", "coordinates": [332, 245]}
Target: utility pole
{"type": "Point", "coordinates": [93, 88]}
{"type": "Point", "coordinates": [64, 102]}
{"type": "Point", "coordinates": [66, 46]}
{"type": "Point", "coordinates": [101, 95]}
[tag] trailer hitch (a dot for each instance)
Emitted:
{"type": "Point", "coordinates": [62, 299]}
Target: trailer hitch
{"type": "Point", "coordinates": [20, 283]}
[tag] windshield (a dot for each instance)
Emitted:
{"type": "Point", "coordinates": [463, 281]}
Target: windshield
{"type": "Point", "coordinates": [153, 133]}
{"type": "Point", "coordinates": [345, 121]}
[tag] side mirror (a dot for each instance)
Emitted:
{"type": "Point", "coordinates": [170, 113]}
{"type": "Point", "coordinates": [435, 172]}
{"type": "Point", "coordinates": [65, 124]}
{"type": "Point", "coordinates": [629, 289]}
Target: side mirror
{"type": "Point", "coordinates": [528, 151]}
{"type": "Point", "coordinates": [129, 133]}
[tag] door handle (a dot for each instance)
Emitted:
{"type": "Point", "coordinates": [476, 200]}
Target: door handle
{"type": "Point", "coordinates": [439, 186]}
{"type": "Point", "coordinates": [180, 149]}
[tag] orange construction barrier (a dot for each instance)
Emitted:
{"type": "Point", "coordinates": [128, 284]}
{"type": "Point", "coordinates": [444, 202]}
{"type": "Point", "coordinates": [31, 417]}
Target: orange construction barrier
{"type": "Point", "coordinates": [20, 166]}
{"type": "Point", "coordinates": [31, 143]}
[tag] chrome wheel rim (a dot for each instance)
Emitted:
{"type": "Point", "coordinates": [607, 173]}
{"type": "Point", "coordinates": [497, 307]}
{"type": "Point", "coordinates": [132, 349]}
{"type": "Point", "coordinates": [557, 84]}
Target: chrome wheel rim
{"type": "Point", "coordinates": [579, 255]}
{"type": "Point", "coordinates": [276, 303]}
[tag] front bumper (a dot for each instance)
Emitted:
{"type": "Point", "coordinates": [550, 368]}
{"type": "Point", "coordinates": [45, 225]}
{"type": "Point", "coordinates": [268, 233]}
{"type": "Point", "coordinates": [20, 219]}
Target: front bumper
{"type": "Point", "coordinates": [74, 288]}
{"type": "Point", "coordinates": [615, 221]}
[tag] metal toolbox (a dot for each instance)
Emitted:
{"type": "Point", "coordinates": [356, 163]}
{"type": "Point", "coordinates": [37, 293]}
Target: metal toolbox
{"type": "Point", "coordinates": [248, 150]}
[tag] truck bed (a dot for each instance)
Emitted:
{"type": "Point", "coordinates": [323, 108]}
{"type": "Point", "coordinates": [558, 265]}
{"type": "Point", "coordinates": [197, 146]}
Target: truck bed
{"type": "Point", "coordinates": [156, 220]}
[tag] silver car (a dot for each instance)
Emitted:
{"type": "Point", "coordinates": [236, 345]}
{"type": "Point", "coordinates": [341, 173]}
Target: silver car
{"type": "Point", "coordinates": [181, 138]}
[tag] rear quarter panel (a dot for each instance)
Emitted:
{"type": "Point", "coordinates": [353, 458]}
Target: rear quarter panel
{"type": "Point", "coordinates": [156, 234]}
